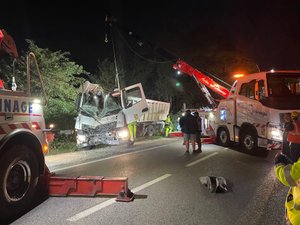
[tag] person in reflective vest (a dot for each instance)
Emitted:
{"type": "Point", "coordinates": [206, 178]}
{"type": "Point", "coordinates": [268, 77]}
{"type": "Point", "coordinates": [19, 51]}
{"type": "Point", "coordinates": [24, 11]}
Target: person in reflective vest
{"type": "Point", "coordinates": [168, 125]}
{"type": "Point", "coordinates": [288, 173]}
{"type": "Point", "coordinates": [132, 131]}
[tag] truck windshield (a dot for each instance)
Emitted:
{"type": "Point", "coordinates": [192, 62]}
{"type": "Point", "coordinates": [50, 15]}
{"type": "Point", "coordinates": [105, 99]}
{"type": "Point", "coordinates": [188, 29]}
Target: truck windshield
{"type": "Point", "coordinates": [99, 105]}
{"type": "Point", "coordinates": [283, 91]}
{"type": "Point", "coordinates": [283, 85]}
{"type": "Point", "coordinates": [112, 105]}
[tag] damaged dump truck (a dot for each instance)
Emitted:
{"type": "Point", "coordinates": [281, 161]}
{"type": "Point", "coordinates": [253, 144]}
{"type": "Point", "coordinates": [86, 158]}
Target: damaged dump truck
{"type": "Point", "coordinates": [103, 117]}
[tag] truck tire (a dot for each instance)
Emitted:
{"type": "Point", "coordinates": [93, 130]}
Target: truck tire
{"type": "Point", "coordinates": [223, 137]}
{"type": "Point", "coordinates": [150, 130]}
{"type": "Point", "coordinates": [249, 140]}
{"type": "Point", "coordinates": [18, 179]}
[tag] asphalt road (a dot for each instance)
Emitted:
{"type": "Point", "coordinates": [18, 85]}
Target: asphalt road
{"type": "Point", "coordinates": [167, 187]}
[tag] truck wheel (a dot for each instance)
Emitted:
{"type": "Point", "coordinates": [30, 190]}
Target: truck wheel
{"type": "Point", "coordinates": [18, 179]}
{"type": "Point", "coordinates": [150, 130]}
{"type": "Point", "coordinates": [223, 137]}
{"type": "Point", "coordinates": [249, 141]}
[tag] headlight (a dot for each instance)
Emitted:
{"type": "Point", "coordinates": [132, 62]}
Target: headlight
{"type": "Point", "coordinates": [276, 134]}
{"type": "Point", "coordinates": [123, 133]}
{"type": "Point", "coordinates": [81, 138]}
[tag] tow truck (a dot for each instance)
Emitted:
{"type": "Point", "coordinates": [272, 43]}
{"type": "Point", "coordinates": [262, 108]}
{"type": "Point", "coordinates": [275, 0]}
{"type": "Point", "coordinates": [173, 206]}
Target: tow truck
{"type": "Point", "coordinates": [251, 112]}
{"type": "Point", "coordinates": [23, 145]}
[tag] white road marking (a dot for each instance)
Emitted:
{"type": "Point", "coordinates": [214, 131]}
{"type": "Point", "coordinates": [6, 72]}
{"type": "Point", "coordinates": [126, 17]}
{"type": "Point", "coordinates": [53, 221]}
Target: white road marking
{"type": "Point", "coordinates": [143, 186]}
{"type": "Point", "coordinates": [102, 205]}
{"type": "Point", "coordinates": [200, 160]}
{"type": "Point", "coordinates": [111, 157]}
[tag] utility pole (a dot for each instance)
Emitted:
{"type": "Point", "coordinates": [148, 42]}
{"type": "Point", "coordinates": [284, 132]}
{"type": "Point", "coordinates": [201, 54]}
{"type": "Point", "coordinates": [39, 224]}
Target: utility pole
{"type": "Point", "coordinates": [109, 23]}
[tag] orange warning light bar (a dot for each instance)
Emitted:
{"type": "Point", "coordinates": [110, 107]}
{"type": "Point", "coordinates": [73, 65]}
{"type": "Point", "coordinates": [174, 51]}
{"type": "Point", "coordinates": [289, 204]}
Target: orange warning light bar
{"type": "Point", "coordinates": [239, 75]}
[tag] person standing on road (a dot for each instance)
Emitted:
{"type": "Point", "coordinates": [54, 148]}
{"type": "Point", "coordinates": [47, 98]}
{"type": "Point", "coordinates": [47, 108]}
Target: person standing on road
{"type": "Point", "coordinates": [288, 172]}
{"type": "Point", "coordinates": [189, 128]}
{"type": "Point", "coordinates": [132, 129]}
{"type": "Point", "coordinates": [199, 131]}
{"type": "Point", "coordinates": [293, 136]}
{"type": "Point", "coordinates": [168, 125]}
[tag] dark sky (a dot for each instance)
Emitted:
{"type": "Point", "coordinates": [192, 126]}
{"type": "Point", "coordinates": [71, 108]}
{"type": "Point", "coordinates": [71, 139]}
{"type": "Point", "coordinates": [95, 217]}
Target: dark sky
{"type": "Point", "coordinates": [266, 31]}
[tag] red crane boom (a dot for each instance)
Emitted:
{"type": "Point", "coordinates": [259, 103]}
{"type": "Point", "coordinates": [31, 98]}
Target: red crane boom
{"type": "Point", "coordinates": [200, 77]}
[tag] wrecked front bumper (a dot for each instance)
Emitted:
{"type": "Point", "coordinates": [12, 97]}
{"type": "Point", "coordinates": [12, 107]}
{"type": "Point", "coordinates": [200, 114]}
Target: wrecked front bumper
{"type": "Point", "coordinates": [88, 139]}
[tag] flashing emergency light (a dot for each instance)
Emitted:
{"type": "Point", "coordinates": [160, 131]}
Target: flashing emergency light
{"type": "Point", "coordinates": [1, 36]}
{"type": "Point", "coordinates": [45, 149]}
{"type": "Point", "coordinates": [1, 84]}
{"type": "Point", "coordinates": [272, 70]}
{"type": "Point", "coordinates": [238, 75]}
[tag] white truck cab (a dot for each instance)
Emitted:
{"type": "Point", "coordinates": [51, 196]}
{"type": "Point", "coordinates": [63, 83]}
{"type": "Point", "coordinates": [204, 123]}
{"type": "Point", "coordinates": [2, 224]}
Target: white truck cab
{"type": "Point", "coordinates": [103, 118]}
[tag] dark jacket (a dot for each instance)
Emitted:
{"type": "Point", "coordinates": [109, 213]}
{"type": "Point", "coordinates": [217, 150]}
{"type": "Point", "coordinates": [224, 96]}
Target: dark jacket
{"type": "Point", "coordinates": [188, 124]}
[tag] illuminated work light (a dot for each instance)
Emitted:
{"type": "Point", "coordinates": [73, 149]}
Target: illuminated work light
{"type": "Point", "coordinates": [239, 75]}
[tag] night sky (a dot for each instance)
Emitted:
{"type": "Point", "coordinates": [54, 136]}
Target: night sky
{"type": "Point", "coordinates": [266, 31]}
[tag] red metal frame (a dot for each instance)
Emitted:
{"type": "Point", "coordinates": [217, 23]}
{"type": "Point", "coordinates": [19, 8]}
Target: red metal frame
{"type": "Point", "coordinates": [89, 186]}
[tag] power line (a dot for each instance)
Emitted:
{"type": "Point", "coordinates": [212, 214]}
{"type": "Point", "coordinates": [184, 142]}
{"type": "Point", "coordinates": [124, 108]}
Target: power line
{"type": "Point", "coordinates": [142, 57]}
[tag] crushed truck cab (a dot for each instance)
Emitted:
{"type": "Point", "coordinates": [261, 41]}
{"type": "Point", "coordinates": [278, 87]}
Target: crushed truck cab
{"type": "Point", "coordinates": [103, 118]}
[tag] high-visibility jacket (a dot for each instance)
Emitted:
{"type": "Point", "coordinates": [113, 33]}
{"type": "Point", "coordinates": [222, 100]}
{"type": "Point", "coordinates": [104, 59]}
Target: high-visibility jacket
{"type": "Point", "coordinates": [294, 135]}
{"type": "Point", "coordinates": [168, 121]}
{"type": "Point", "coordinates": [132, 130]}
{"type": "Point", "coordinates": [289, 175]}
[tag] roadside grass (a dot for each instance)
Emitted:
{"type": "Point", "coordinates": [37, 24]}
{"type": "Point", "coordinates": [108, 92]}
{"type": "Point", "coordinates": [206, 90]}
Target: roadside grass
{"type": "Point", "coordinates": [62, 144]}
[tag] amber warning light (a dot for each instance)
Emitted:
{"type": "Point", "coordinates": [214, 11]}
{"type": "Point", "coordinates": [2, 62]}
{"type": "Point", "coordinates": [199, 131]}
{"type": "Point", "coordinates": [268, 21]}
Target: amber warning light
{"type": "Point", "coordinates": [239, 75]}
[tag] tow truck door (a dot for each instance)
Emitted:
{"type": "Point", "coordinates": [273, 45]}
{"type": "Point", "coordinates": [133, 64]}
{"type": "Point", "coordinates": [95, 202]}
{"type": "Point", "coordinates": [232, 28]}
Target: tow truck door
{"type": "Point", "coordinates": [134, 102]}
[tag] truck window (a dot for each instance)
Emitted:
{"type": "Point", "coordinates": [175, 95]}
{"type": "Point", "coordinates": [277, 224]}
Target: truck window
{"type": "Point", "coordinates": [279, 87]}
{"type": "Point", "coordinates": [133, 96]}
{"type": "Point", "coordinates": [260, 90]}
{"type": "Point", "coordinates": [282, 90]}
{"type": "Point", "coordinates": [112, 105]}
{"type": "Point", "coordinates": [244, 90]}
{"type": "Point", "coordinates": [247, 89]}
{"type": "Point", "coordinates": [92, 104]}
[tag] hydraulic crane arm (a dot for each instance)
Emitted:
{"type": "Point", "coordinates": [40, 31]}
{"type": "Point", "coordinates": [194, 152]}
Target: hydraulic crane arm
{"type": "Point", "coordinates": [201, 78]}
{"type": "Point", "coordinates": [7, 44]}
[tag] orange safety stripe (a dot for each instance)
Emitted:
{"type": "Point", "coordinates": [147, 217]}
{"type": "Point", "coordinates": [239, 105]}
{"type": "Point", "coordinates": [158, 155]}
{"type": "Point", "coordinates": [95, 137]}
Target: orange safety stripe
{"type": "Point", "coordinates": [7, 128]}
